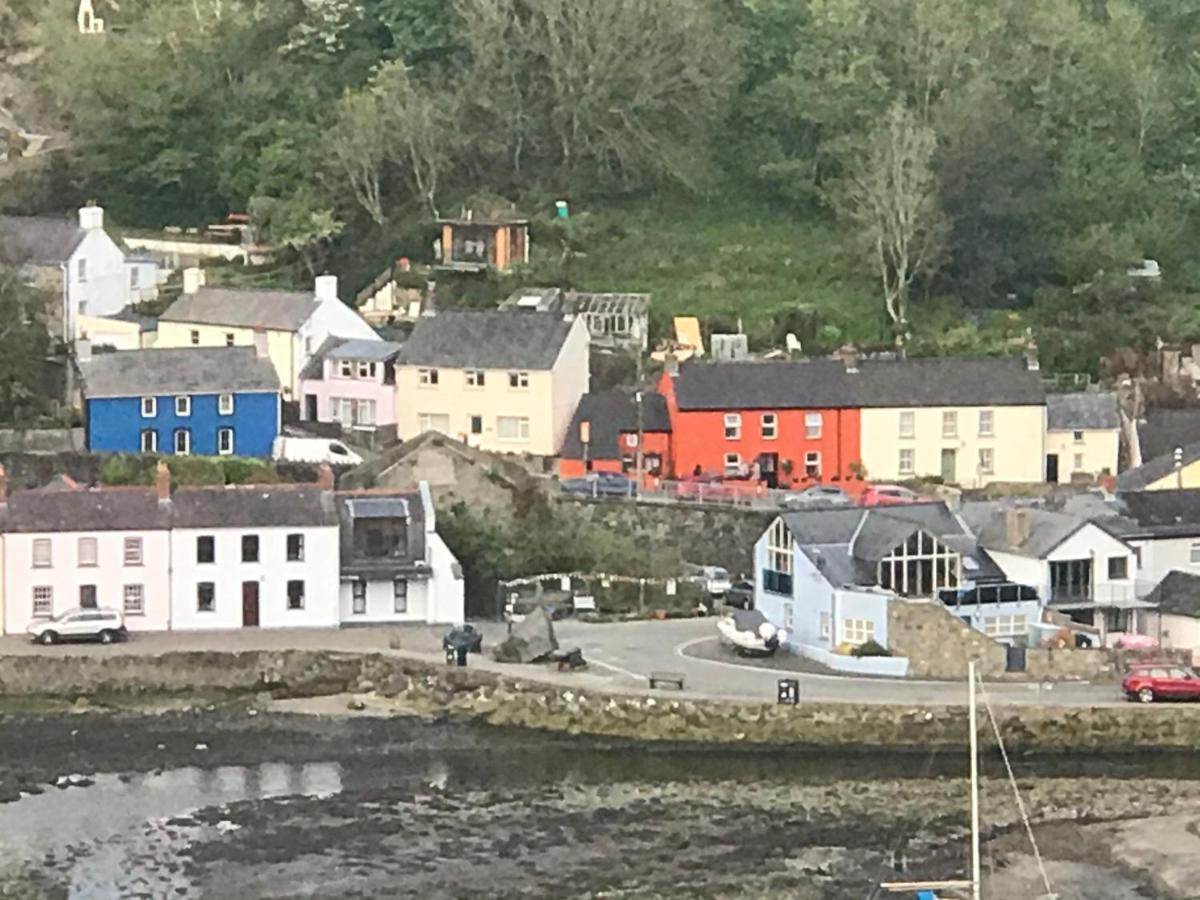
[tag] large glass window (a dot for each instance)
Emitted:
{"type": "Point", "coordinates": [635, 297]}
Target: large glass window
{"type": "Point", "coordinates": [777, 577]}
{"type": "Point", "coordinates": [920, 567]}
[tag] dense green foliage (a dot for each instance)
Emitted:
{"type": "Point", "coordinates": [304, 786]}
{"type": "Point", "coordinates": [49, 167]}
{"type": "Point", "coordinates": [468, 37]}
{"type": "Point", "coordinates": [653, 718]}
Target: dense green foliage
{"type": "Point", "coordinates": [24, 395]}
{"type": "Point", "coordinates": [1043, 146]}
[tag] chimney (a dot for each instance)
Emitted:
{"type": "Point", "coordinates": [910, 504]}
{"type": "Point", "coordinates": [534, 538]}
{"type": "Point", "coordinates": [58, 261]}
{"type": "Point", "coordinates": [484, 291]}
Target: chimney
{"type": "Point", "coordinates": [429, 300]}
{"type": "Point", "coordinates": [849, 355]}
{"type": "Point", "coordinates": [326, 287]}
{"type": "Point", "coordinates": [260, 343]}
{"type": "Point", "coordinates": [671, 364]}
{"type": "Point", "coordinates": [1031, 352]}
{"type": "Point", "coordinates": [325, 477]}
{"type": "Point", "coordinates": [91, 217]}
{"type": "Point", "coordinates": [193, 280]}
{"type": "Point", "coordinates": [1016, 527]}
{"type": "Point", "coordinates": [162, 481]}
{"type": "Point", "coordinates": [83, 350]}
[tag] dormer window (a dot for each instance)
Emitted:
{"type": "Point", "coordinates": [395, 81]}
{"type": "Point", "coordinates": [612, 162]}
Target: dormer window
{"type": "Point", "coordinates": [346, 368]}
{"type": "Point", "coordinates": [920, 567]}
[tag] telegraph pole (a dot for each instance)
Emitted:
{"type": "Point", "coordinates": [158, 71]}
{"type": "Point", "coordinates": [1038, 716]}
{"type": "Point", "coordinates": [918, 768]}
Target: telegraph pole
{"type": "Point", "coordinates": [641, 425]}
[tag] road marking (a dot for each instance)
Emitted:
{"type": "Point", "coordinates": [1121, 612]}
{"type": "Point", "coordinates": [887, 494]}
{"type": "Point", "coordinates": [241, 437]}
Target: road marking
{"type": "Point", "coordinates": [610, 666]}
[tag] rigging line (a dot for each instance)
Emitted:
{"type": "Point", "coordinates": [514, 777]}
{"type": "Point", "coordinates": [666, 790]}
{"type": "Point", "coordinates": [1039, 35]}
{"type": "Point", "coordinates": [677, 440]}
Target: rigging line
{"type": "Point", "coordinates": [1037, 855]}
{"type": "Point", "coordinates": [902, 831]}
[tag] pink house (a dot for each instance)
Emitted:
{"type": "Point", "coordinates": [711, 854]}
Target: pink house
{"type": "Point", "coordinates": [65, 547]}
{"type": "Point", "coordinates": [351, 382]}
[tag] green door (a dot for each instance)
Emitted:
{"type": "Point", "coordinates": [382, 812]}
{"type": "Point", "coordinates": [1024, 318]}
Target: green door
{"type": "Point", "coordinates": [949, 466]}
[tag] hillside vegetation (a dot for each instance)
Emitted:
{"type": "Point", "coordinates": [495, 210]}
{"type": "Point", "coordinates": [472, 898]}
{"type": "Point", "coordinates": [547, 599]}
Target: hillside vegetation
{"type": "Point", "coordinates": [939, 173]}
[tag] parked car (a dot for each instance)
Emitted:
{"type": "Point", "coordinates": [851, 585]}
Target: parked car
{"type": "Point", "coordinates": [716, 580]}
{"type": "Point", "coordinates": [463, 636]}
{"type": "Point", "coordinates": [888, 495]}
{"type": "Point", "coordinates": [740, 594]}
{"type": "Point", "coordinates": [599, 484]}
{"type": "Point", "coordinates": [314, 450]}
{"type": "Point", "coordinates": [103, 625]}
{"type": "Point", "coordinates": [1161, 681]}
{"type": "Point", "coordinates": [817, 496]}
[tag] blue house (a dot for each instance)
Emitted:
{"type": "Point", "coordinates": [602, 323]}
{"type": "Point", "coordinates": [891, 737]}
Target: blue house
{"type": "Point", "coordinates": [204, 401]}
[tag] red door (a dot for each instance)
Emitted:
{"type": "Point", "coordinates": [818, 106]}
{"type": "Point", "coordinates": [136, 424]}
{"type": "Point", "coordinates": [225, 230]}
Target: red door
{"type": "Point", "coordinates": [249, 604]}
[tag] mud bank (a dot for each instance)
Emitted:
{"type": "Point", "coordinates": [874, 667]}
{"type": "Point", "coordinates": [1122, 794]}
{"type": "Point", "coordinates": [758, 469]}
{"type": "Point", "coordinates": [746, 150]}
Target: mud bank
{"type": "Point", "coordinates": [414, 687]}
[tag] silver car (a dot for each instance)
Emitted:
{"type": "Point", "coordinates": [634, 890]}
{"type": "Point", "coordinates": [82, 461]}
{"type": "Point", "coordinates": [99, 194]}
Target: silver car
{"type": "Point", "coordinates": [817, 496]}
{"type": "Point", "coordinates": [103, 625]}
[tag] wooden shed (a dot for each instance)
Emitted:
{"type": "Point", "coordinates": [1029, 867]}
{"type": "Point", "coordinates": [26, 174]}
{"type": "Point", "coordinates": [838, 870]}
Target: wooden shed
{"type": "Point", "coordinates": [473, 243]}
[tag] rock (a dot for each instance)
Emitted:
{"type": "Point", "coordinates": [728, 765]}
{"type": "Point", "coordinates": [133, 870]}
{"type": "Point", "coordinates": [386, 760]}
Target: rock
{"type": "Point", "coordinates": [81, 703]}
{"type": "Point", "coordinates": [529, 641]}
{"type": "Point", "coordinates": [356, 705]}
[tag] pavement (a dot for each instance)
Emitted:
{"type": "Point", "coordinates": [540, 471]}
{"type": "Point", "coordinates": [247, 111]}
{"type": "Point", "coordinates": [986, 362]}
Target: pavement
{"type": "Point", "coordinates": [621, 656]}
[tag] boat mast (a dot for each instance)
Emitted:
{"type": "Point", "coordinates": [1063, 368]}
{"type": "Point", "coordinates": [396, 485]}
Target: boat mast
{"type": "Point", "coordinates": [974, 784]}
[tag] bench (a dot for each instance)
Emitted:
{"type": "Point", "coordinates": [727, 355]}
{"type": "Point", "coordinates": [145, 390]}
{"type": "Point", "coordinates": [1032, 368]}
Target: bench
{"type": "Point", "coordinates": [658, 679]}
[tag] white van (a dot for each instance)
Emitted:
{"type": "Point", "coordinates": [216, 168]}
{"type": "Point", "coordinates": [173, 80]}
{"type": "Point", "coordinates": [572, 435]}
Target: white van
{"type": "Point", "coordinates": [314, 450]}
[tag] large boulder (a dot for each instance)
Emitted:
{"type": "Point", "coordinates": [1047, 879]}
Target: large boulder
{"type": "Point", "coordinates": [528, 641]}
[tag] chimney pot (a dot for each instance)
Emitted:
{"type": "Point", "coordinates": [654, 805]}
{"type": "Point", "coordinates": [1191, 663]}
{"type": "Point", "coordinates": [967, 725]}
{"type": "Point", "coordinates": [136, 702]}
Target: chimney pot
{"type": "Point", "coordinates": [91, 217]}
{"type": "Point", "coordinates": [193, 279]}
{"type": "Point", "coordinates": [162, 481]}
{"type": "Point", "coordinates": [326, 287]}
{"type": "Point", "coordinates": [1016, 526]}
{"type": "Point", "coordinates": [261, 348]}
{"type": "Point", "coordinates": [325, 477]}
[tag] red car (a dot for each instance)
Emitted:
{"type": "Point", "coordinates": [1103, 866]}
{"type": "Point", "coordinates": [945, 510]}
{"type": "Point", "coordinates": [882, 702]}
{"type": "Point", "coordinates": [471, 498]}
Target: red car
{"type": "Point", "coordinates": [1161, 681]}
{"type": "Point", "coordinates": [887, 495]}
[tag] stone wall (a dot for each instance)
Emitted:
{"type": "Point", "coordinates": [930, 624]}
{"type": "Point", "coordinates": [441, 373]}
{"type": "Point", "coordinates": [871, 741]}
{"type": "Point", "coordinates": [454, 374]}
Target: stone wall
{"type": "Point", "coordinates": [411, 686]}
{"type": "Point", "coordinates": [938, 644]}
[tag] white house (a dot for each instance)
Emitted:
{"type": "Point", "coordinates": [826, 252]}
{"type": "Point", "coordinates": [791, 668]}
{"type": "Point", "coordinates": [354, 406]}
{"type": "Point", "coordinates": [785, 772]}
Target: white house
{"type": "Point", "coordinates": [81, 262]}
{"type": "Point", "coordinates": [254, 556]}
{"type": "Point", "coordinates": [394, 565]}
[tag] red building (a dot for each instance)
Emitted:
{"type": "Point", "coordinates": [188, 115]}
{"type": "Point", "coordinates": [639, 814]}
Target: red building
{"type": "Point", "coordinates": [791, 423]}
{"type": "Point", "coordinates": [603, 436]}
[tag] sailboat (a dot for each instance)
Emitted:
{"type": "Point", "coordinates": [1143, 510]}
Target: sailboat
{"type": "Point", "coordinates": [928, 890]}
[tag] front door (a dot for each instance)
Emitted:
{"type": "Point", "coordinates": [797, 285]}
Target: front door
{"type": "Point", "coordinates": [768, 469]}
{"type": "Point", "coordinates": [87, 596]}
{"type": "Point", "coordinates": [249, 604]}
{"type": "Point", "coordinates": [949, 465]}
{"type": "Point", "coordinates": [310, 407]}
{"type": "Point", "coordinates": [1052, 468]}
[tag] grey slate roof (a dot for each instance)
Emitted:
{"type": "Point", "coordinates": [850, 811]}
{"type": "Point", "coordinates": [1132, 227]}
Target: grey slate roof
{"type": "Point", "coordinates": [110, 509]}
{"type": "Point", "coordinates": [817, 384]}
{"type": "Point", "coordinates": [275, 310]}
{"type": "Point", "coordinates": [1160, 431]}
{"type": "Point", "coordinates": [253, 506]}
{"type": "Point", "coordinates": [1178, 594]}
{"type": "Point", "coordinates": [178, 370]}
{"type": "Point", "coordinates": [1156, 468]}
{"type": "Point", "coordinates": [146, 323]}
{"type": "Point", "coordinates": [314, 369]}
{"type": "Point", "coordinates": [368, 351]}
{"type": "Point", "coordinates": [1155, 514]}
{"type": "Point", "coordinates": [610, 413]}
{"type": "Point", "coordinates": [40, 239]}
{"type": "Point", "coordinates": [1082, 412]}
{"type": "Point", "coordinates": [486, 340]}
{"type": "Point", "coordinates": [1047, 529]}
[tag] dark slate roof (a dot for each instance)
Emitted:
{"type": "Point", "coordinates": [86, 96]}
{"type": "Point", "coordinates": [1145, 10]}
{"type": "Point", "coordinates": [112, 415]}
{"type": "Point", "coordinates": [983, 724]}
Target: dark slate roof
{"type": "Point", "coordinates": [253, 506]}
{"type": "Point", "coordinates": [1160, 431]}
{"type": "Point", "coordinates": [1081, 412]}
{"type": "Point", "coordinates": [376, 504]}
{"type": "Point", "coordinates": [40, 239]}
{"type": "Point", "coordinates": [146, 323]}
{"type": "Point", "coordinates": [817, 384]}
{"type": "Point", "coordinates": [486, 340]}
{"type": "Point", "coordinates": [1150, 514]}
{"type": "Point", "coordinates": [1047, 529]}
{"type": "Point", "coordinates": [368, 351]}
{"type": "Point", "coordinates": [1156, 468]}
{"type": "Point", "coordinates": [108, 509]}
{"type": "Point", "coordinates": [610, 413]}
{"type": "Point", "coordinates": [177, 370]}
{"type": "Point", "coordinates": [1178, 594]}
{"type": "Point", "coordinates": [276, 310]}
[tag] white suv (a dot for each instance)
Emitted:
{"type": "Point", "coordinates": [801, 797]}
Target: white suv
{"type": "Point", "coordinates": [103, 625]}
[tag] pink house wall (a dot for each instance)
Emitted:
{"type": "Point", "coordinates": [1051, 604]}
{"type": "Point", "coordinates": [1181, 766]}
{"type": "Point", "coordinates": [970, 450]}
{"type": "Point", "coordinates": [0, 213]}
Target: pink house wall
{"type": "Point", "coordinates": [334, 385]}
{"type": "Point", "coordinates": [110, 575]}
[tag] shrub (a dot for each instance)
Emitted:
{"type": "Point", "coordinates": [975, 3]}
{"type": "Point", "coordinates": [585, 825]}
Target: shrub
{"type": "Point", "coordinates": [871, 648]}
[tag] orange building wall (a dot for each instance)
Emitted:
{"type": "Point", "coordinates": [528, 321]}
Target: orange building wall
{"type": "Point", "coordinates": [655, 442]}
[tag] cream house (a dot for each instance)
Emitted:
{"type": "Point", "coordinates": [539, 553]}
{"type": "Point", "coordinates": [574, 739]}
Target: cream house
{"type": "Point", "coordinates": [1083, 436]}
{"type": "Point", "coordinates": [502, 381]}
{"type": "Point", "coordinates": [969, 421]}
{"type": "Point", "coordinates": [294, 324]}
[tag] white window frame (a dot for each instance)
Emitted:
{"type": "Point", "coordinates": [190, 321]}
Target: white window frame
{"type": "Point", "coordinates": [1194, 553]}
{"type": "Point", "coordinates": [364, 413]}
{"type": "Point", "coordinates": [225, 404]}
{"type": "Point", "coordinates": [826, 626]}
{"type": "Point", "coordinates": [475, 378]}
{"type": "Point", "coordinates": [345, 368]}
{"type": "Point", "coordinates": [522, 428]}
{"type": "Point", "coordinates": [299, 555]}
{"type": "Point", "coordinates": [987, 461]}
{"type": "Point", "coordinates": [769, 424]}
{"type": "Point", "coordinates": [287, 594]}
{"type": "Point", "coordinates": [43, 601]}
{"type": "Point", "coordinates": [183, 405]}
{"type": "Point", "coordinates": [518, 380]}
{"type": "Point", "coordinates": [186, 433]}
{"type": "Point", "coordinates": [1007, 625]}
{"type": "Point", "coordinates": [1077, 437]}
{"type": "Point", "coordinates": [194, 337]}
{"type": "Point", "coordinates": [81, 272]}
{"type": "Point", "coordinates": [230, 339]}
{"type": "Point", "coordinates": [358, 597]}
{"type": "Point", "coordinates": [42, 560]}
{"type": "Point", "coordinates": [857, 631]}
{"type": "Point", "coordinates": [814, 424]}
{"type": "Point", "coordinates": [87, 550]}
{"type": "Point", "coordinates": [907, 463]}
{"type": "Point", "coordinates": [133, 600]}
{"type": "Point", "coordinates": [631, 440]}
{"type": "Point", "coordinates": [132, 551]}
{"type": "Point", "coordinates": [908, 424]}
{"type": "Point", "coordinates": [733, 426]}
{"type": "Point", "coordinates": [1078, 463]}
{"type": "Point", "coordinates": [789, 616]}
{"type": "Point", "coordinates": [898, 570]}
{"type": "Point", "coordinates": [400, 596]}
{"type": "Point", "coordinates": [949, 423]}
{"type": "Point", "coordinates": [223, 448]}
{"type": "Point", "coordinates": [151, 445]}
{"type": "Point", "coordinates": [987, 423]}
{"type": "Point", "coordinates": [427, 377]}
{"type": "Point", "coordinates": [134, 278]}
{"type": "Point", "coordinates": [149, 407]}
{"type": "Point", "coordinates": [733, 463]}
{"type": "Point", "coordinates": [439, 422]}
{"type": "Point", "coordinates": [212, 608]}
{"type": "Point", "coordinates": [779, 548]}
{"type": "Point", "coordinates": [812, 464]}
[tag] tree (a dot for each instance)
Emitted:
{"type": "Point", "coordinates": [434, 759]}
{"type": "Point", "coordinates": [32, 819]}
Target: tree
{"type": "Point", "coordinates": [24, 343]}
{"type": "Point", "coordinates": [890, 196]}
{"type": "Point", "coordinates": [360, 149]}
{"type": "Point", "coordinates": [421, 129]}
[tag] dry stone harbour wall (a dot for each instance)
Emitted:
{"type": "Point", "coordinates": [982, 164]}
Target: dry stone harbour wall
{"type": "Point", "coordinates": [416, 687]}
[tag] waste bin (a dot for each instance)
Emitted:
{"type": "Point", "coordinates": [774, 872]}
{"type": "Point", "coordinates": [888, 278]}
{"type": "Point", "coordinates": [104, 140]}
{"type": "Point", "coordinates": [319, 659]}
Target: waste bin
{"type": "Point", "coordinates": [460, 655]}
{"type": "Point", "coordinates": [789, 691]}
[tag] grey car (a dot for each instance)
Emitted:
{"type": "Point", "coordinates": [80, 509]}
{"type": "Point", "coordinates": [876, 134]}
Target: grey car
{"type": "Point", "coordinates": [817, 496]}
{"type": "Point", "coordinates": [599, 484]}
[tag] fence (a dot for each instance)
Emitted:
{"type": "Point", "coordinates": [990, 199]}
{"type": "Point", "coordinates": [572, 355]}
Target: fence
{"type": "Point", "coordinates": [750, 495]}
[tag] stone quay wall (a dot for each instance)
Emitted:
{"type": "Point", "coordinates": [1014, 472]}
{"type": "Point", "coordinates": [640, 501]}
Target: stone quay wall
{"type": "Point", "coordinates": [410, 687]}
